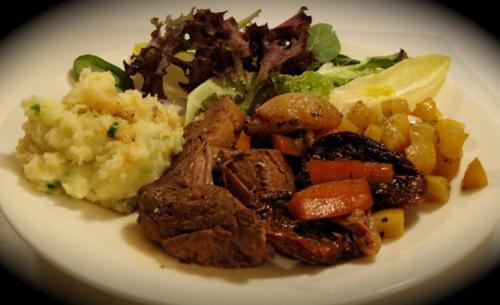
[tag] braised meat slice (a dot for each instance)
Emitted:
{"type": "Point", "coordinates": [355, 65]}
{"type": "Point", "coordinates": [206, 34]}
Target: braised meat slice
{"type": "Point", "coordinates": [192, 166]}
{"type": "Point", "coordinates": [204, 224]}
{"type": "Point", "coordinates": [362, 227]}
{"type": "Point", "coordinates": [194, 220]}
{"type": "Point", "coordinates": [326, 241]}
{"type": "Point", "coordinates": [256, 176]}
{"type": "Point", "coordinates": [406, 189]}
{"type": "Point", "coordinates": [218, 126]}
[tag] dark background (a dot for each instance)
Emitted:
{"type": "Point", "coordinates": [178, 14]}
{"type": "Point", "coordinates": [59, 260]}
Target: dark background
{"type": "Point", "coordinates": [477, 11]}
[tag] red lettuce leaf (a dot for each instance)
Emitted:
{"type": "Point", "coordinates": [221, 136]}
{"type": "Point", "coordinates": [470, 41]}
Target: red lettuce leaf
{"type": "Point", "coordinates": [221, 49]}
{"type": "Point", "coordinates": [154, 59]}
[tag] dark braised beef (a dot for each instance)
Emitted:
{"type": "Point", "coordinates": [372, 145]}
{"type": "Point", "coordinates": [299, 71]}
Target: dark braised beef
{"type": "Point", "coordinates": [256, 176]}
{"type": "Point", "coordinates": [406, 189]}
{"type": "Point", "coordinates": [364, 233]}
{"type": "Point", "coordinates": [326, 241]}
{"type": "Point", "coordinates": [203, 224]}
{"type": "Point", "coordinates": [194, 220]}
{"type": "Point", "coordinates": [218, 126]}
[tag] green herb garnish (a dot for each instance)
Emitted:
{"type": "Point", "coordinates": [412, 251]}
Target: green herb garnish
{"type": "Point", "coordinates": [112, 130]}
{"type": "Point", "coordinates": [54, 185]}
{"type": "Point", "coordinates": [35, 107]}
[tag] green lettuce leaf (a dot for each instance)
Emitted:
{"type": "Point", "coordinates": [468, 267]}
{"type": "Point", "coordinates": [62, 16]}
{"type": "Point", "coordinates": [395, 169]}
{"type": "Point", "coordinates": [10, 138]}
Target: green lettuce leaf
{"type": "Point", "coordinates": [323, 43]}
{"type": "Point", "coordinates": [309, 81]}
{"type": "Point", "coordinates": [341, 75]}
{"type": "Point", "coordinates": [328, 76]}
{"type": "Point", "coordinates": [344, 60]}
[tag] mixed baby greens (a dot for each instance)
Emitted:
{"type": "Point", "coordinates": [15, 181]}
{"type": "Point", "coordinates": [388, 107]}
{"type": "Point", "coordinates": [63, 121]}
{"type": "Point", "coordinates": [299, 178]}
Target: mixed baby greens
{"type": "Point", "coordinates": [248, 62]}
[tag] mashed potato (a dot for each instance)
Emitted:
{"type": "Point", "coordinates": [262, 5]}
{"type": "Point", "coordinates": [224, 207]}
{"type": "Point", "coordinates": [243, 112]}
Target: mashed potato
{"type": "Point", "coordinates": [98, 144]}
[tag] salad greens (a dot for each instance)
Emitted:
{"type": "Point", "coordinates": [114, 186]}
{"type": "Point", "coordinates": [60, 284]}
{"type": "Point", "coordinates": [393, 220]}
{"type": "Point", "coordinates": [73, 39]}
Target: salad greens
{"type": "Point", "coordinates": [242, 60]}
{"type": "Point", "coordinates": [220, 49]}
{"type": "Point", "coordinates": [329, 75]}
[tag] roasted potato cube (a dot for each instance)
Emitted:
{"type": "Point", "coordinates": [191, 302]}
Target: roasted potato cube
{"type": "Point", "coordinates": [475, 176]}
{"type": "Point", "coordinates": [427, 111]}
{"type": "Point", "coordinates": [390, 223]}
{"type": "Point", "coordinates": [446, 167]}
{"type": "Point", "coordinates": [400, 122]}
{"type": "Point", "coordinates": [438, 189]}
{"type": "Point", "coordinates": [451, 122]}
{"type": "Point", "coordinates": [451, 138]}
{"type": "Point", "coordinates": [394, 140]}
{"type": "Point", "coordinates": [375, 132]}
{"type": "Point", "coordinates": [347, 125]}
{"type": "Point", "coordinates": [396, 132]}
{"type": "Point", "coordinates": [362, 116]}
{"type": "Point", "coordinates": [394, 106]}
{"type": "Point", "coordinates": [423, 132]}
{"type": "Point", "coordinates": [423, 156]}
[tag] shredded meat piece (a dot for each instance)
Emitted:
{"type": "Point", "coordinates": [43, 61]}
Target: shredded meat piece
{"type": "Point", "coordinates": [256, 176]}
{"type": "Point", "coordinates": [362, 227]}
{"type": "Point", "coordinates": [326, 241]}
{"type": "Point", "coordinates": [194, 220]}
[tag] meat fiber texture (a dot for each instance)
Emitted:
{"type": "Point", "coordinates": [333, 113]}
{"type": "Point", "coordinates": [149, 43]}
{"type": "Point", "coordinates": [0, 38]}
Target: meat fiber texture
{"type": "Point", "coordinates": [193, 219]}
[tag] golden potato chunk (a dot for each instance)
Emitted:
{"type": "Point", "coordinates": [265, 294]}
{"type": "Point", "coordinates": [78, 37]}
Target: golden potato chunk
{"type": "Point", "coordinates": [475, 176]}
{"type": "Point", "coordinates": [362, 116]}
{"type": "Point", "coordinates": [438, 189]}
{"type": "Point", "coordinates": [396, 132]}
{"type": "Point", "coordinates": [347, 125]}
{"type": "Point", "coordinates": [375, 132]}
{"type": "Point", "coordinates": [390, 223]}
{"type": "Point", "coordinates": [427, 111]}
{"type": "Point", "coordinates": [423, 132]}
{"type": "Point", "coordinates": [394, 106]}
{"type": "Point", "coordinates": [423, 156]}
{"type": "Point", "coordinates": [451, 138]}
{"type": "Point", "coordinates": [446, 167]}
{"type": "Point", "coordinates": [451, 122]}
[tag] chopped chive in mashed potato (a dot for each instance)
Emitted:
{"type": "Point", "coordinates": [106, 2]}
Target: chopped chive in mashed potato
{"type": "Point", "coordinates": [98, 144]}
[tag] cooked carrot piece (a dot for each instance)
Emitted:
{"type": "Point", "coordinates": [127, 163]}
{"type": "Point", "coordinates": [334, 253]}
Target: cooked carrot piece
{"type": "Point", "coordinates": [288, 145]}
{"type": "Point", "coordinates": [379, 172]}
{"type": "Point", "coordinates": [331, 199]}
{"type": "Point", "coordinates": [340, 169]}
{"type": "Point", "coordinates": [243, 142]}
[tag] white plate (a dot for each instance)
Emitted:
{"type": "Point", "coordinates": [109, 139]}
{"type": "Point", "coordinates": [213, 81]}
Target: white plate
{"type": "Point", "coordinates": [110, 252]}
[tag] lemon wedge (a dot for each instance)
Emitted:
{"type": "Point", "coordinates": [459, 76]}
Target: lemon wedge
{"type": "Point", "coordinates": [412, 79]}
